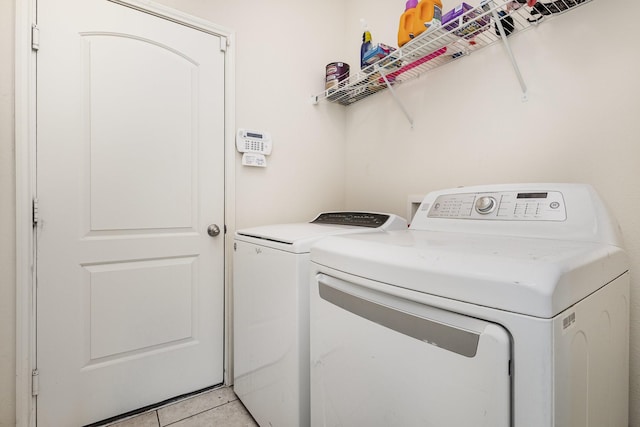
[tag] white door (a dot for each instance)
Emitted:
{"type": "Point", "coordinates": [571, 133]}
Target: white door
{"type": "Point", "coordinates": [130, 292]}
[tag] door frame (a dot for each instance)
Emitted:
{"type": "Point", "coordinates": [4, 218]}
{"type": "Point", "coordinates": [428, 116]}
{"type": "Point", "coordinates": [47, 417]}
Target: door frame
{"type": "Point", "coordinates": [26, 188]}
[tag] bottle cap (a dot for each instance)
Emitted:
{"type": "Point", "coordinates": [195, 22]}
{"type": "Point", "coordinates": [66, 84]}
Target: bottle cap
{"type": "Point", "coordinates": [411, 4]}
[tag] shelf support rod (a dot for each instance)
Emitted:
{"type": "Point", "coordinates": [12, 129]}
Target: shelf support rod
{"type": "Point", "coordinates": [507, 46]}
{"type": "Point", "coordinates": [394, 95]}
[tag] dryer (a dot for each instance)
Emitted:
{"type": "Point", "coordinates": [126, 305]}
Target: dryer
{"type": "Point", "coordinates": [502, 305]}
{"type": "Point", "coordinates": [271, 311]}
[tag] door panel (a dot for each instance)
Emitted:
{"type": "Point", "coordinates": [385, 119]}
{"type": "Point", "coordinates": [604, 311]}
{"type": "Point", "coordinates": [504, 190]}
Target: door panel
{"type": "Point", "coordinates": [117, 291]}
{"type": "Point", "coordinates": [120, 67]}
{"type": "Point", "coordinates": [130, 173]}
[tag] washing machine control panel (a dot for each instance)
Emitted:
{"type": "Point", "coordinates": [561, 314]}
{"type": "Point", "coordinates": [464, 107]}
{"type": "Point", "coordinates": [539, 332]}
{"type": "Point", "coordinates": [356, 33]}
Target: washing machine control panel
{"type": "Point", "coordinates": [506, 205]}
{"type": "Point", "coordinates": [359, 219]}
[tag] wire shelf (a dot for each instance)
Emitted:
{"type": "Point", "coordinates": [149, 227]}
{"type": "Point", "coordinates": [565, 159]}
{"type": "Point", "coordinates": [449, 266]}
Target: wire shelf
{"type": "Point", "coordinates": [472, 31]}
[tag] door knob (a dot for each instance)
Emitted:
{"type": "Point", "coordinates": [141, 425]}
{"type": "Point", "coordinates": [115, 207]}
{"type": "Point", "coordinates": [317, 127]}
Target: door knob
{"type": "Point", "coordinates": [213, 230]}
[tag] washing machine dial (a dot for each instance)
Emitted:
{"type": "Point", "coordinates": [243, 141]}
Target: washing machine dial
{"type": "Point", "coordinates": [485, 205]}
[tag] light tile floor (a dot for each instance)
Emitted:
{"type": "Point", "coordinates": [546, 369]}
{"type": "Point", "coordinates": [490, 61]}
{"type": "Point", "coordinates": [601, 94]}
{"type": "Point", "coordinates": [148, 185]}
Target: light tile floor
{"type": "Point", "coordinates": [214, 408]}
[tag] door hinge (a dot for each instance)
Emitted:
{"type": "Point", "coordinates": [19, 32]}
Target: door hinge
{"type": "Point", "coordinates": [35, 37]}
{"type": "Point", "coordinates": [34, 212]}
{"type": "Point", "coordinates": [35, 382]}
{"type": "Point", "coordinates": [224, 43]}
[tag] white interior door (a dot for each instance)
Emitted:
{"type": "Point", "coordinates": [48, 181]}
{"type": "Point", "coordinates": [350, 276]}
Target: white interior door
{"type": "Point", "coordinates": [130, 172]}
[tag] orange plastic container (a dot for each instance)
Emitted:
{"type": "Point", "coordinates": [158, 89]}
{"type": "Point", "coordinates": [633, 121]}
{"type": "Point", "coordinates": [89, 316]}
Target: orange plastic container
{"type": "Point", "coordinates": [416, 20]}
{"type": "Point", "coordinates": [428, 13]}
{"type": "Point", "coordinates": [406, 27]}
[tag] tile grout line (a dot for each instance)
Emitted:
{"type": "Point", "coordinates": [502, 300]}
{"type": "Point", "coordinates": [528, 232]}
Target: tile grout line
{"type": "Point", "coordinates": [196, 414]}
{"type": "Point", "coordinates": [168, 405]}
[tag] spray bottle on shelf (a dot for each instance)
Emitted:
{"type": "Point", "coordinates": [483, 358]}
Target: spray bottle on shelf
{"type": "Point", "coordinates": [365, 47]}
{"type": "Point", "coordinates": [366, 42]}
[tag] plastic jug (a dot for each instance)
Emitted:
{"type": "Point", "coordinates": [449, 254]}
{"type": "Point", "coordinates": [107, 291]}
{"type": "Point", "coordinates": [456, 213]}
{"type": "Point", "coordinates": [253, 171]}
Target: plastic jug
{"type": "Point", "coordinates": [428, 14]}
{"type": "Point", "coordinates": [407, 23]}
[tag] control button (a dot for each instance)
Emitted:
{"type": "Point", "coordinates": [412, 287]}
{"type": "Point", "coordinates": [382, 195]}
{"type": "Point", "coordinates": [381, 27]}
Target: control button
{"type": "Point", "coordinates": [485, 205]}
{"type": "Point", "coordinates": [554, 205]}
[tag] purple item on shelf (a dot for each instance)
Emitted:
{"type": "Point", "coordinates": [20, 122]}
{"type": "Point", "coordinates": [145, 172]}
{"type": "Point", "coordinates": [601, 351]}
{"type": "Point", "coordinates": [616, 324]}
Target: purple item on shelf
{"type": "Point", "coordinates": [469, 25]}
{"type": "Point", "coordinates": [410, 4]}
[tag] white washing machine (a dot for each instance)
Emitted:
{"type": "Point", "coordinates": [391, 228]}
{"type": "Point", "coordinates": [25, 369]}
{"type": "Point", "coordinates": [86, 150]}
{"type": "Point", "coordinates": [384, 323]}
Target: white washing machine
{"type": "Point", "coordinates": [271, 311]}
{"type": "Point", "coordinates": [502, 305]}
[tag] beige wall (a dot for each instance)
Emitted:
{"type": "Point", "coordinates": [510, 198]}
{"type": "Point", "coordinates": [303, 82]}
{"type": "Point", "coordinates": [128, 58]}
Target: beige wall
{"type": "Point", "coordinates": [7, 219]}
{"type": "Point", "coordinates": [580, 124]}
{"type": "Point", "coordinates": [281, 53]}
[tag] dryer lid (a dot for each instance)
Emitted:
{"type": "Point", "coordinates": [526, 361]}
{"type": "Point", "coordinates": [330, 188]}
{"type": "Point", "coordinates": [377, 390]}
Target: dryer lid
{"type": "Point", "coordinates": [536, 277]}
{"type": "Point", "coordinates": [533, 249]}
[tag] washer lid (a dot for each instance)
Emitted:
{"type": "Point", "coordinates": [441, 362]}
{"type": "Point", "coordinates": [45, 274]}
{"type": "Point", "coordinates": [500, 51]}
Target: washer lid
{"type": "Point", "coordinates": [536, 277]}
{"type": "Point", "coordinates": [293, 237]}
{"type": "Point", "coordinates": [298, 237]}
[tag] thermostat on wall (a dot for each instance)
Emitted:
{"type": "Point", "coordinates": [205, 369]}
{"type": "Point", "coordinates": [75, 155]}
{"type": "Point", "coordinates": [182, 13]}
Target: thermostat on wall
{"type": "Point", "coordinates": [251, 141]}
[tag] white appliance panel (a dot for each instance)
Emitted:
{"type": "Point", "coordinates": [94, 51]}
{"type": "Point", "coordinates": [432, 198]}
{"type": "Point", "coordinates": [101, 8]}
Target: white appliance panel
{"type": "Point", "coordinates": [505, 205]}
{"type": "Point", "coordinates": [557, 284]}
{"type": "Point", "coordinates": [591, 359]}
{"type": "Point", "coordinates": [411, 357]}
{"type": "Point", "coordinates": [513, 274]}
{"type": "Point", "coordinates": [568, 212]}
{"type": "Point", "coordinates": [271, 311]}
{"type": "Point", "coordinates": [271, 331]}
{"type": "Point", "coordinates": [298, 237]}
